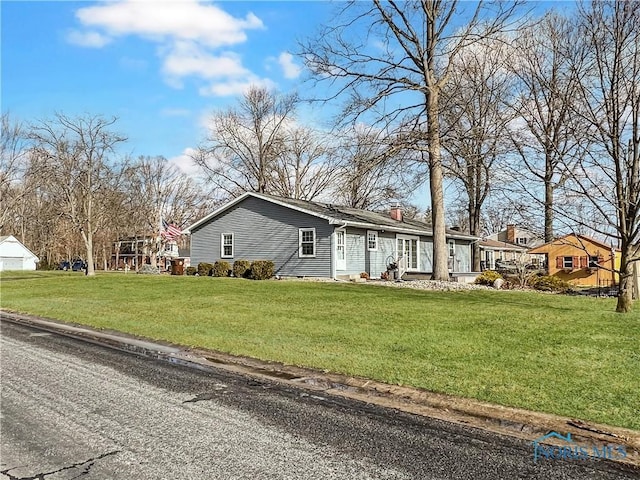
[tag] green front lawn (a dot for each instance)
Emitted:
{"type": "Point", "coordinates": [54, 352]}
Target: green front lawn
{"type": "Point", "coordinates": [571, 356]}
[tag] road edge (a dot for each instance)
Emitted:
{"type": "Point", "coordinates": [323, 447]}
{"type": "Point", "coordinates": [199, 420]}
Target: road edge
{"type": "Point", "coordinates": [514, 422]}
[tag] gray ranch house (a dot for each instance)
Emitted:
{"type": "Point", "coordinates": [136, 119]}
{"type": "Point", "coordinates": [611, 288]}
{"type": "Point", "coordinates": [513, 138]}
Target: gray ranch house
{"type": "Point", "coordinates": [312, 239]}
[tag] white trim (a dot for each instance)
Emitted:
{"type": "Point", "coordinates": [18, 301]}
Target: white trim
{"type": "Point", "coordinates": [341, 264]}
{"type": "Point", "coordinates": [375, 234]}
{"type": "Point", "coordinates": [409, 238]}
{"type": "Point", "coordinates": [300, 232]}
{"type": "Point", "coordinates": [222, 245]}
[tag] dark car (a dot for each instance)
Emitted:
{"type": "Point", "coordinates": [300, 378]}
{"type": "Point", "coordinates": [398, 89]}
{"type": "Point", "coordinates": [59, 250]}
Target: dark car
{"type": "Point", "coordinates": [75, 266]}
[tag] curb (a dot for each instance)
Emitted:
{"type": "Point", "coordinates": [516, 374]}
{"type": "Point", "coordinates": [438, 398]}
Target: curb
{"type": "Point", "coordinates": [514, 422]}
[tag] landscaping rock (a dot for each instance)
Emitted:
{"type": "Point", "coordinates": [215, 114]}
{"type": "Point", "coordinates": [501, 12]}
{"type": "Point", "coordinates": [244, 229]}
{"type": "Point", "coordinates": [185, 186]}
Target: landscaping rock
{"type": "Point", "coordinates": [149, 270]}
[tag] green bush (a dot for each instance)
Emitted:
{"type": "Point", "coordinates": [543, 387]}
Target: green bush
{"type": "Point", "coordinates": [550, 284]}
{"type": "Point", "coordinates": [488, 277]}
{"type": "Point", "coordinates": [241, 268]}
{"type": "Point", "coordinates": [191, 270]}
{"type": "Point", "coordinates": [221, 269]}
{"type": "Point", "coordinates": [204, 269]}
{"type": "Point", "coordinates": [262, 269]}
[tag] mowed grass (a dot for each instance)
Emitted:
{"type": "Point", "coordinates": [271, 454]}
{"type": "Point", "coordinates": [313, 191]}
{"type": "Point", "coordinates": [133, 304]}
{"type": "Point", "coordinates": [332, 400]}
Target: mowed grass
{"type": "Point", "coordinates": [570, 356]}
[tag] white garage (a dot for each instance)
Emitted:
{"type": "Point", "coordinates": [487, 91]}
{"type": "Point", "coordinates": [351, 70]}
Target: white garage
{"type": "Point", "coordinates": [15, 256]}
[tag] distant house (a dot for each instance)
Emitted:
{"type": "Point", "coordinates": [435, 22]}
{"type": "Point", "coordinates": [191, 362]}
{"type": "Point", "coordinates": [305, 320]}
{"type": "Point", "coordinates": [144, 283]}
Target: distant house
{"type": "Point", "coordinates": [133, 252]}
{"type": "Point", "coordinates": [320, 240]}
{"type": "Point", "coordinates": [15, 256]}
{"type": "Point", "coordinates": [494, 252]}
{"type": "Point", "coordinates": [580, 260]}
{"type": "Point", "coordinates": [517, 236]}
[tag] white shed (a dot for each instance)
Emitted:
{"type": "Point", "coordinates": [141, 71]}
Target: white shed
{"type": "Point", "coordinates": [15, 256]}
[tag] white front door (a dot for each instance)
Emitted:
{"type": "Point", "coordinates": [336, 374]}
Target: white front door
{"type": "Point", "coordinates": [407, 249]}
{"type": "Point", "coordinates": [341, 250]}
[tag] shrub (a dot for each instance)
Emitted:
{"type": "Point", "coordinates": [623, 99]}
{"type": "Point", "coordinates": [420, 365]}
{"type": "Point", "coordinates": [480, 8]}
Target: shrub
{"type": "Point", "coordinates": [204, 269]}
{"type": "Point", "coordinates": [241, 268]}
{"type": "Point", "coordinates": [191, 270]}
{"type": "Point", "coordinates": [221, 269]}
{"type": "Point", "coordinates": [549, 283]}
{"type": "Point", "coordinates": [262, 269]}
{"type": "Point", "coordinates": [364, 275]}
{"type": "Point", "coordinates": [488, 277]}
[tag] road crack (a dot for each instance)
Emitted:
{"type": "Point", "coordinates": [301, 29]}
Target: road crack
{"type": "Point", "coordinates": [88, 464]}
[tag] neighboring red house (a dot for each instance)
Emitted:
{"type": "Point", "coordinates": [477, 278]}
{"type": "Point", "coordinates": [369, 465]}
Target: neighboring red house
{"type": "Point", "coordinates": [580, 260]}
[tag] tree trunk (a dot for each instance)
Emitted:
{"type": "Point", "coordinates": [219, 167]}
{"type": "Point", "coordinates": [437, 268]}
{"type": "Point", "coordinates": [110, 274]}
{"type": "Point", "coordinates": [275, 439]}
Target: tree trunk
{"type": "Point", "coordinates": [88, 242]}
{"type": "Point", "coordinates": [440, 251]}
{"type": "Point", "coordinates": [548, 210]}
{"type": "Point", "coordinates": [625, 292]}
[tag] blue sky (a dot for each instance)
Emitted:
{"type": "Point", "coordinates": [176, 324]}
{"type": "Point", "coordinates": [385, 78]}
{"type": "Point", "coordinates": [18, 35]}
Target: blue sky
{"type": "Point", "coordinates": [159, 66]}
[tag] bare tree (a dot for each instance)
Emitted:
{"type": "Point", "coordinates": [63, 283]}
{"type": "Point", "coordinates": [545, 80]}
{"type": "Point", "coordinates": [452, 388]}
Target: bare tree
{"type": "Point", "coordinates": [156, 190]}
{"type": "Point", "coordinates": [305, 168]}
{"type": "Point", "coordinates": [397, 71]}
{"type": "Point", "coordinates": [548, 62]}
{"type": "Point", "coordinates": [609, 175]}
{"type": "Point", "coordinates": [13, 165]}
{"type": "Point", "coordinates": [245, 142]}
{"type": "Point", "coordinates": [73, 160]}
{"type": "Point", "coordinates": [474, 123]}
{"type": "Point", "coordinates": [372, 173]}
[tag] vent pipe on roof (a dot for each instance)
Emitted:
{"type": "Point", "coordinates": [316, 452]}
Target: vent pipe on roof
{"type": "Point", "coordinates": [396, 212]}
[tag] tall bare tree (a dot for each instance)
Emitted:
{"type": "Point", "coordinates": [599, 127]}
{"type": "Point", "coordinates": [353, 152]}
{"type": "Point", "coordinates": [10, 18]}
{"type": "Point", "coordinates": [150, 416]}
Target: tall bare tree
{"type": "Point", "coordinates": [397, 70]}
{"type": "Point", "coordinates": [305, 168]}
{"type": "Point", "coordinates": [372, 172]}
{"type": "Point", "coordinates": [474, 123]}
{"type": "Point", "coordinates": [73, 159]}
{"type": "Point", "coordinates": [609, 175]}
{"type": "Point", "coordinates": [245, 142]}
{"type": "Point", "coordinates": [548, 61]}
{"type": "Point", "coordinates": [156, 190]}
{"type": "Point", "coordinates": [13, 166]}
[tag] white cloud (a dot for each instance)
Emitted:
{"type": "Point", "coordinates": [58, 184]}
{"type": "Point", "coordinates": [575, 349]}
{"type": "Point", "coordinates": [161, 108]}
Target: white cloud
{"type": "Point", "coordinates": [88, 39]}
{"type": "Point", "coordinates": [234, 87]}
{"type": "Point", "coordinates": [290, 69]}
{"type": "Point", "coordinates": [181, 20]}
{"type": "Point", "coordinates": [185, 162]}
{"type": "Point", "coordinates": [189, 35]}
{"type": "Point", "coordinates": [188, 58]}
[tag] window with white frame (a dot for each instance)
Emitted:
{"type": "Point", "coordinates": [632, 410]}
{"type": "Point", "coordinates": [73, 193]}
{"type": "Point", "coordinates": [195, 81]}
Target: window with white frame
{"type": "Point", "coordinates": [226, 245]}
{"type": "Point", "coordinates": [307, 242]}
{"type": "Point", "coordinates": [452, 248]}
{"type": "Point", "coordinates": [372, 240]}
{"type": "Point", "coordinates": [522, 240]}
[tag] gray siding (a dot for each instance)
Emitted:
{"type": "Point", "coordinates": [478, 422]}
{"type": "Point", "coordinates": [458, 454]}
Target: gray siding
{"type": "Point", "coordinates": [355, 252]}
{"type": "Point", "coordinates": [426, 254]}
{"type": "Point", "coordinates": [379, 259]}
{"type": "Point", "coordinates": [265, 231]}
{"type": "Point", "coordinates": [462, 260]}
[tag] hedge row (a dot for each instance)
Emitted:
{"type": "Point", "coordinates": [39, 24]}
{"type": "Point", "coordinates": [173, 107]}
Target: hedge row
{"type": "Point", "coordinates": [256, 270]}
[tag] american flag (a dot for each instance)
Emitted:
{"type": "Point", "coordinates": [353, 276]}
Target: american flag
{"type": "Point", "coordinates": [171, 232]}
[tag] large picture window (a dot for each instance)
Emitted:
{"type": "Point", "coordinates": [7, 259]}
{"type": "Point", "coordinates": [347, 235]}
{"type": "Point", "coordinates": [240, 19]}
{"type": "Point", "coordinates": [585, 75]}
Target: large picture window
{"type": "Point", "coordinates": [307, 242]}
{"type": "Point", "coordinates": [226, 245]}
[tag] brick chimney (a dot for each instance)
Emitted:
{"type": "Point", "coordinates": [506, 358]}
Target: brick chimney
{"type": "Point", "coordinates": [511, 233]}
{"type": "Point", "coordinates": [396, 212]}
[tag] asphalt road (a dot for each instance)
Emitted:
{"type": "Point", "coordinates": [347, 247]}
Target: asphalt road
{"type": "Point", "coordinates": [71, 410]}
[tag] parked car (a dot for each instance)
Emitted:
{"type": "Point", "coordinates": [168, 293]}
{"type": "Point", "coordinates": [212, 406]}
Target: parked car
{"type": "Point", "coordinates": [75, 265]}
